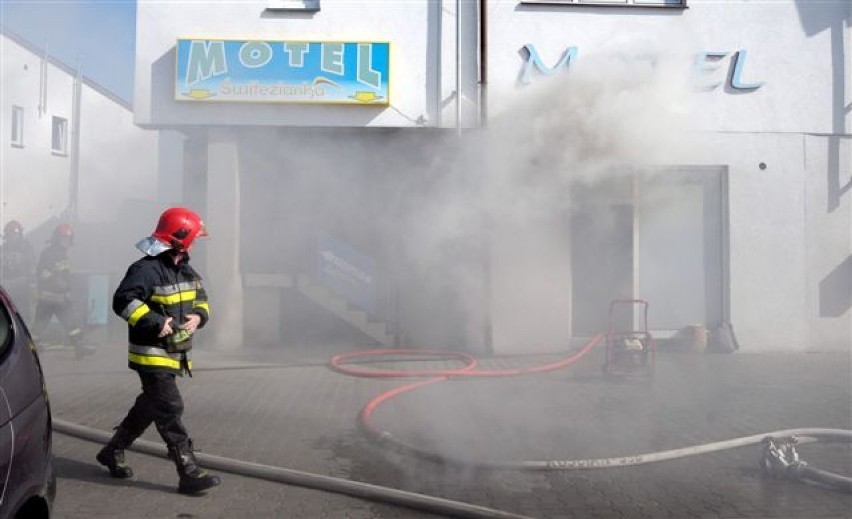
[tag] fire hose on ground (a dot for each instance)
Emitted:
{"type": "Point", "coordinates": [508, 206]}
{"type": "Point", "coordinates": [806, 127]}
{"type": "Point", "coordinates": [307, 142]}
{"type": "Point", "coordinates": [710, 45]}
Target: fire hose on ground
{"type": "Point", "coordinates": [780, 457]}
{"type": "Point", "coordinates": [358, 489]}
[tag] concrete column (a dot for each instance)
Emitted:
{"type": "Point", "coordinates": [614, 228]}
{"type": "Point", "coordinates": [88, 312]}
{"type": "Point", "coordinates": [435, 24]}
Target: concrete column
{"type": "Point", "coordinates": [222, 218]}
{"type": "Point", "coordinates": [530, 287]}
{"type": "Point", "coordinates": [170, 174]}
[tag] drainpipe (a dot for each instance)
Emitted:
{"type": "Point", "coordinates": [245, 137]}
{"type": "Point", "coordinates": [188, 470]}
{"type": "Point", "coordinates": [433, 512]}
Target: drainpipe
{"type": "Point", "coordinates": [439, 63]}
{"type": "Point", "coordinates": [487, 322]}
{"type": "Point", "coordinates": [458, 67]}
{"type": "Point", "coordinates": [483, 62]}
{"type": "Point", "coordinates": [42, 83]}
{"type": "Point", "coordinates": [74, 177]}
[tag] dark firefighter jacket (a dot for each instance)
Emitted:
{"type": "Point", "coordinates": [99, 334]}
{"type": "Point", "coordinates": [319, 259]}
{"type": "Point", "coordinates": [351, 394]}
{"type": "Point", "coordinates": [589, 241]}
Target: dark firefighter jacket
{"type": "Point", "coordinates": [154, 289]}
{"type": "Point", "coordinates": [54, 275]}
{"type": "Point", "coordinates": [18, 260]}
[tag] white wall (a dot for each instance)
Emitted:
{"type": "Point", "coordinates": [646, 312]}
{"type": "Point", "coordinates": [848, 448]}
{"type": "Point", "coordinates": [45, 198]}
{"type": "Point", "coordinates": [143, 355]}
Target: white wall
{"type": "Point", "coordinates": [422, 38]}
{"type": "Point", "coordinates": [790, 243]}
{"type": "Point", "coordinates": [34, 181]}
{"type": "Point", "coordinates": [118, 160]}
{"type": "Point", "coordinates": [767, 236]}
{"type": "Point", "coordinates": [828, 231]}
{"type": "Point", "coordinates": [790, 223]}
{"type": "Point", "coordinates": [789, 50]}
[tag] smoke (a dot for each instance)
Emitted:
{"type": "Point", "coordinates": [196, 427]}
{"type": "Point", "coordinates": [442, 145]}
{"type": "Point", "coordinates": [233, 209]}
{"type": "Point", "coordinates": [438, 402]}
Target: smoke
{"type": "Point", "coordinates": [608, 113]}
{"type": "Point", "coordinates": [491, 223]}
{"type": "Point", "coordinates": [463, 234]}
{"type": "Point", "coordinates": [496, 225]}
{"type": "Point", "coordinates": [471, 232]}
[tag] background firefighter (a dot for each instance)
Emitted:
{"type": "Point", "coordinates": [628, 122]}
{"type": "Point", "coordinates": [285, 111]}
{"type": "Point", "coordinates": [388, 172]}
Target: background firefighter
{"type": "Point", "coordinates": [54, 288]}
{"type": "Point", "coordinates": [17, 268]}
{"type": "Point", "coordinates": [163, 301]}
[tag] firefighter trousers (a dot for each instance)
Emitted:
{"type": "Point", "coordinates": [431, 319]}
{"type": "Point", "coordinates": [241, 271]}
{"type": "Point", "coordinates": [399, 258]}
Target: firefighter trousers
{"type": "Point", "coordinates": [159, 403]}
{"type": "Point", "coordinates": [44, 312]}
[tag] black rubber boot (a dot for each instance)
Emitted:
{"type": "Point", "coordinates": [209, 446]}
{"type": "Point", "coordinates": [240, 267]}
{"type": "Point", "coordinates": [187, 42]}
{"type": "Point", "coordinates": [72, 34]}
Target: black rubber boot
{"type": "Point", "coordinates": [112, 455]}
{"type": "Point", "coordinates": [192, 478]}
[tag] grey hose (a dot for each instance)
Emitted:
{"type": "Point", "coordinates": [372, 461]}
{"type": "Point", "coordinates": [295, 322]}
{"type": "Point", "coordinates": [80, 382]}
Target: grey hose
{"type": "Point", "coordinates": [378, 493]}
{"type": "Point", "coordinates": [627, 461]}
{"type": "Point", "coordinates": [641, 459]}
{"type": "Point", "coordinates": [466, 510]}
{"type": "Point", "coordinates": [826, 478]}
{"type": "Point", "coordinates": [799, 470]}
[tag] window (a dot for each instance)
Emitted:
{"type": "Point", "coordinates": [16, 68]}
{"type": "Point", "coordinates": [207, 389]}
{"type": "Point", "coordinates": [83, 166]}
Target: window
{"type": "Point", "coordinates": [17, 126]}
{"type": "Point", "coordinates": [59, 141]}
{"type": "Point", "coordinates": [293, 5]}
{"type": "Point", "coordinates": [627, 3]}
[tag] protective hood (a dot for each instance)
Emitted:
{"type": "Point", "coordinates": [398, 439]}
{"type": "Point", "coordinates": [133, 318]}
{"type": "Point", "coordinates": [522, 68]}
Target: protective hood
{"type": "Point", "coordinates": [151, 246]}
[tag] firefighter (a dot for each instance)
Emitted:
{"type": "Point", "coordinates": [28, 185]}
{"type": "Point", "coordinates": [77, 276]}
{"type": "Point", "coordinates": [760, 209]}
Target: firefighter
{"type": "Point", "coordinates": [17, 269]}
{"type": "Point", "coordinates": [164, 303]}
{"type": "Point", "coordinates": [54, 287]}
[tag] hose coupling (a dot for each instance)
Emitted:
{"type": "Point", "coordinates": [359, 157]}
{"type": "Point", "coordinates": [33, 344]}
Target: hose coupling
{"type": "Point", "coordinates": [780, 458]}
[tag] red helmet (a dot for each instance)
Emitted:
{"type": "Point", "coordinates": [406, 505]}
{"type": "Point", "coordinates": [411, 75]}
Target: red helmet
{"type": "Point", "coordinates": [63, 230]}
{"type": "Point", "coordinates": [13, 227]}
{"type": "Point", "coordinates": [178, 227]}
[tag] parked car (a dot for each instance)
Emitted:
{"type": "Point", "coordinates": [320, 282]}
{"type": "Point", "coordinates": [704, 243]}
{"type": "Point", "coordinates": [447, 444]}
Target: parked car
{"type": "Point", "coordinates": [27, 479]}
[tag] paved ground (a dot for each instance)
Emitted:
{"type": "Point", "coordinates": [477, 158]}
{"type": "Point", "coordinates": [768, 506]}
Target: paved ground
{"type": "Point", "coordinates": [301, 415]}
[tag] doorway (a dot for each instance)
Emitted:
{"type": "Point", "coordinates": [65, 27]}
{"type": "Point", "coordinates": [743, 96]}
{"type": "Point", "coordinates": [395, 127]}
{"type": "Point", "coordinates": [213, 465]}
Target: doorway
{"type": "Point", "coordinates": [661, 236]}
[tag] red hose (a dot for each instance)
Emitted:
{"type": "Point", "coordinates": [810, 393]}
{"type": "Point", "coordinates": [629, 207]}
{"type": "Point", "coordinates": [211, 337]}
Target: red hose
{"type": "Point", "coordinates": [468, 370]}
{"type": "Point", "coordinates": [337, 361]}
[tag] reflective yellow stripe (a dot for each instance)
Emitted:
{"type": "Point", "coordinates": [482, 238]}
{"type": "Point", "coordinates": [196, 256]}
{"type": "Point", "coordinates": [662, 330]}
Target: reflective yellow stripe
{"type": "Point", "coordinates": [173, 299]}
{"type": "Point", "coordinates": [137, 314]}
{"type": "Point", "coordinates": [146, 360]}
{"type": "Point", "coordinates": [203, 305]}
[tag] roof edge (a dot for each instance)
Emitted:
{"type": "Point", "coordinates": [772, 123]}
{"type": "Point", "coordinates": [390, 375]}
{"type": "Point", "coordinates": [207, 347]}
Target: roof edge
{"type": "Point", "coordinates": [94, 85]}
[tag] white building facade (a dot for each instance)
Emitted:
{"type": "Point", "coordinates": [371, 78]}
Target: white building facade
{"type": "Point", "coordinates": [736, 211]}
{"type": "Point", "coordinates": [55, 166]}
{"type": "Point", "coordinates": [71, 153]}
{"type": "Point", "coordinates": [278, 178]}
{"type": "Point", "coordinates": [760, 231]}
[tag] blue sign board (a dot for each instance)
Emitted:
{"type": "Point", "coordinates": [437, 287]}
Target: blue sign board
{"type": "Point", "coordinates": [347, 272]}
{"type": "Point", "coordinates": [282, 71]}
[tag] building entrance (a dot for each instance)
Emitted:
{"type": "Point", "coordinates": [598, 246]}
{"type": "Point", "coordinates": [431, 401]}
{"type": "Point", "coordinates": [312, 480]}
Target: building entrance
{"type": "Point", "coordinates": [659, 236]}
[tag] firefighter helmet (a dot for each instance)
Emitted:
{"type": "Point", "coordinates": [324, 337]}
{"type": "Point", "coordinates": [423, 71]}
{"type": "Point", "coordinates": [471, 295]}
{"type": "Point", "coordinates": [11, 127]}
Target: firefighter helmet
{"type": "Point", "coordinates": [63, 230]}
{"type": "Point", "coordinates": [178, 228]}
{"type": "Point", "coordinates": [13, 228]}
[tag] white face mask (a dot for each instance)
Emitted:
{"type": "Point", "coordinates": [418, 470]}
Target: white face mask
{"type": "Point", "coordinates": [151, 246]}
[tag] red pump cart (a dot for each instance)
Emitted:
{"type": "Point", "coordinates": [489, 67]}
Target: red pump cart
{"type": "Point", "coordinates": [629, 353]}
